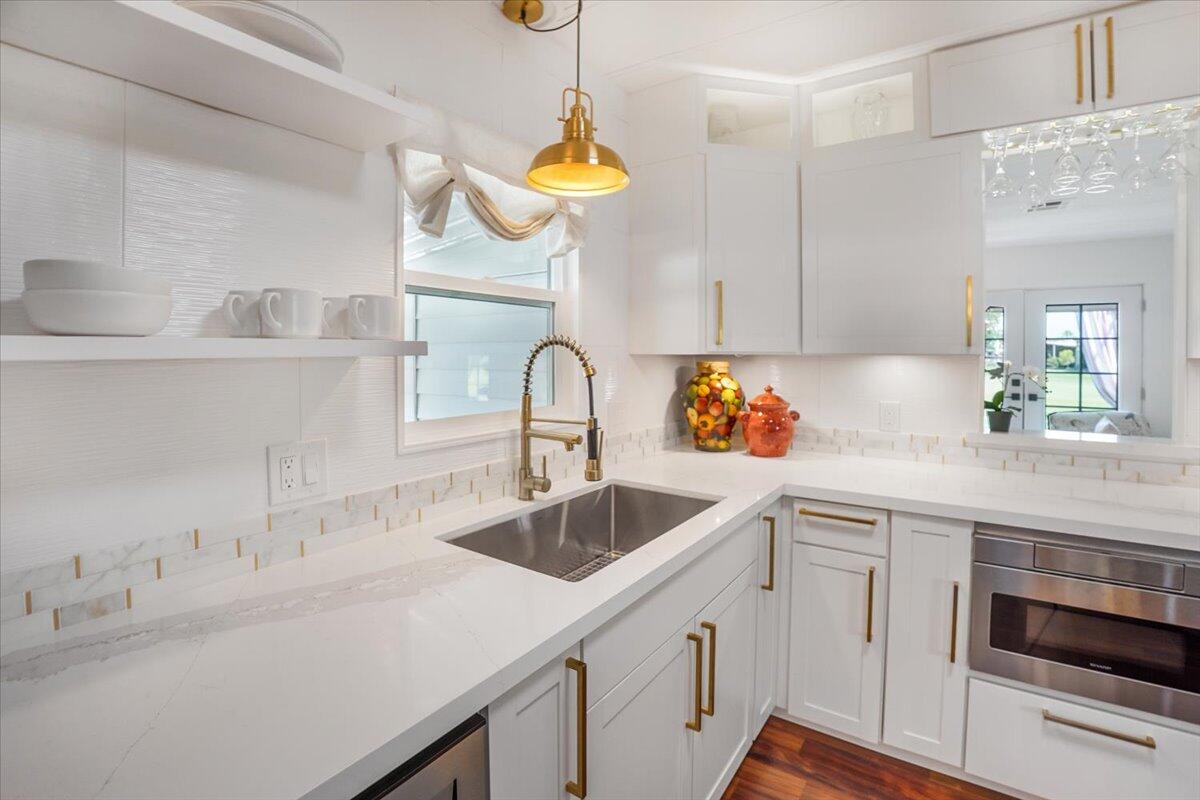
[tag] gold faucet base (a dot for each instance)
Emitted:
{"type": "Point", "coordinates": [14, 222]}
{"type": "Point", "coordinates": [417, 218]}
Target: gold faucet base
{"type": "Point", "coordinates": [592, 471]}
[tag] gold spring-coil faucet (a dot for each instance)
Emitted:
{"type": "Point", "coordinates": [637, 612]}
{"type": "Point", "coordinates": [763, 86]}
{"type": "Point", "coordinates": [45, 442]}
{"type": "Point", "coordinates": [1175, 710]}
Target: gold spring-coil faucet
{"type": "Point", "coordinates": [528, 483]}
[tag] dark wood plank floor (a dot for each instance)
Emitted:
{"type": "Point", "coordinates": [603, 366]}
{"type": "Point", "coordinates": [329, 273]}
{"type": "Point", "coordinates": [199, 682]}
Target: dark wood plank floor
{"type": "Point", "coordinates": [789, 762]}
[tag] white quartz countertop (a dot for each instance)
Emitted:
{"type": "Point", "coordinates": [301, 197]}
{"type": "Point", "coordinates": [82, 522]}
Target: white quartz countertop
{"type": "Point", "coordinates": [319, 675]}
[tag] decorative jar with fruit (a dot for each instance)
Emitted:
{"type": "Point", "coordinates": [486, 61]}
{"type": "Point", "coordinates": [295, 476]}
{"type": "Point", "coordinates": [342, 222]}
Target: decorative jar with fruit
{"type": "Point", "coordinates": [712, 400]}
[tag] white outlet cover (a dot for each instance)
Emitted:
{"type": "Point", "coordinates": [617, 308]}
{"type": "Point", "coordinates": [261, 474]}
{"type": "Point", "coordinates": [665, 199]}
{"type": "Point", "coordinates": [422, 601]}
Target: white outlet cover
{"type": "Point", "coordinates": [291, 468]}
{"type": "Point", "coordinates": [889, 415]}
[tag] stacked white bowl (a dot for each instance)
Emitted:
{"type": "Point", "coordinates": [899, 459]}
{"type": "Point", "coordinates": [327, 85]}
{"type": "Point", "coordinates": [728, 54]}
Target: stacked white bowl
{"type": "Point", "coordinates": [87, 298]}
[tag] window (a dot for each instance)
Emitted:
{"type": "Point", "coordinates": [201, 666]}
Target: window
{"type": "Point", "coordinates": [1082, 347]}
{"type": "Point", "coordinates": [480, 304]}
{"type": "Point", "coordinates": [993, 351]}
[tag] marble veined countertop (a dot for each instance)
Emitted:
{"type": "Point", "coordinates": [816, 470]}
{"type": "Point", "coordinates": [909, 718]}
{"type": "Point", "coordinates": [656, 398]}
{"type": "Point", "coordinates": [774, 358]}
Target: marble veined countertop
{"type": "Point", "coordinates": [317, 676]}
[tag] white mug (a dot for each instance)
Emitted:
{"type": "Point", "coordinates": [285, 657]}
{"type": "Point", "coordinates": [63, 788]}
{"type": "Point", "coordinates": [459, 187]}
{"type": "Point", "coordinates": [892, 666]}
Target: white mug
{"type": "Point", "coordinates": [290, 313]}
{"type": "Point", "coordinates": [374, 316]}
{"type": "Point", "coordinates": [240, 310]}
{"type": "Point", "coordinates": [333, 318]}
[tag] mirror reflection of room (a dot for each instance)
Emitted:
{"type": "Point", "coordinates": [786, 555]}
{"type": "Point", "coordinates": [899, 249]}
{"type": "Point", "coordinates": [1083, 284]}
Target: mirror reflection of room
{"type": "Point", "coordinates": [1083, 221]}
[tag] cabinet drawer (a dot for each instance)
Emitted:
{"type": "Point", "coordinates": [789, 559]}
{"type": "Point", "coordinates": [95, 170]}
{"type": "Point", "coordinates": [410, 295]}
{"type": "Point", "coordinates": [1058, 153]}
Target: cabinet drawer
{"type": "Point", "coordinates": [1035, 744]}
{"type": "Point", "coordinates": [613, 651]}
{"type": "Point", "coordinates": [853, 528]}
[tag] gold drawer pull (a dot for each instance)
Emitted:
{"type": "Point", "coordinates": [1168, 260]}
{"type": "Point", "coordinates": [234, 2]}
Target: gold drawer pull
{"type": "Point", "coordinates": [770, 584]}
{"type": "Point", "coordinates": [970, 310]}
{"type": "Point", "coordinates": [954, 623]}
{"type": "Point", "coordinates": [720, 286]}
{"type": "Point", "coordinates": [1079, 64]}
{"type": "Point", "coordinates": [1112, 67]}
{"type": "Point", "coordinates": [870, 600]}
{"type": "Point", "coordinates": [1141, 741]}
{"type": "Point", "coordinates": [712, 668]}
{"type": "Point", "coordinates": [806, 512]}
{"type": "Point", "coordinates": [694, 725]}
{"type": "Point", "coordinates": [579, 788]}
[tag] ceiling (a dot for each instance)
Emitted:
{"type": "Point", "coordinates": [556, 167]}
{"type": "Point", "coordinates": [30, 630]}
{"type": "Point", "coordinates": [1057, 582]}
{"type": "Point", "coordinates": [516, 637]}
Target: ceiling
{"type": "Point", "coordinates": [640, 43]}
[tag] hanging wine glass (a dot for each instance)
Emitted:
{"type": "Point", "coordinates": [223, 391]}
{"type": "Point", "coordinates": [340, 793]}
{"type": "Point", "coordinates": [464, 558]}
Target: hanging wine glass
{"type": "Point", "coordinates": [1035, 191]}
{"type": "Point", "coordinates": [1172, 164]}
{"type": "Point", "coordinates": [1000, 185]}
{"type": "Point", "coordinates": [1068, 170]}
{"type": "Point", "coordinates": [1099, 176]}
{"type": "Point", "coordinates": [1138, 175]}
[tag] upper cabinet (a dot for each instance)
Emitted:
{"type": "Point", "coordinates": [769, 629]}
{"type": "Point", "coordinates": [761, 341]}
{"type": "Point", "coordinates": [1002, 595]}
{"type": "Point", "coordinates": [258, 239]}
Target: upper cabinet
{"type": "Point", "coordinates": [1136, 54]}
{"type": "Point", "coordinates": [714, 228]}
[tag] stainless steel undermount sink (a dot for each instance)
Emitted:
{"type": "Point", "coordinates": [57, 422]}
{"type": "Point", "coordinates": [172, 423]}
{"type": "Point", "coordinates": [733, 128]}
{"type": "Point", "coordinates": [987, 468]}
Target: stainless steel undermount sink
{"type": "Point", "coordinates": [579, 536]}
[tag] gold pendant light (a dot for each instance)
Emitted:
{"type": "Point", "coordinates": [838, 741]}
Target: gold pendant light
{"type": "Point", "coordinates": [577, 166]}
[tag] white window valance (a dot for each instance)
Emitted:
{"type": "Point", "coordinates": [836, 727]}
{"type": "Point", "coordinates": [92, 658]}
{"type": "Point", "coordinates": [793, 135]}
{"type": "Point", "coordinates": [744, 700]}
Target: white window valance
{"type": "Point", "coordinates": [503, 211]}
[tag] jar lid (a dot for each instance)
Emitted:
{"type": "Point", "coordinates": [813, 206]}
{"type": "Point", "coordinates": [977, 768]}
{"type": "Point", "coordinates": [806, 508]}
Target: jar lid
{"type": "Point", "coordinates": [712, 366]}
{"type": "Point", "coordinates": [768, 401]}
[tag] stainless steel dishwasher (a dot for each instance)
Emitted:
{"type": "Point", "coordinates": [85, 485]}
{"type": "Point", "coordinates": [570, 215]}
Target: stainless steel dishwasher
{"type": "Point", "coordinates": [452, 768]}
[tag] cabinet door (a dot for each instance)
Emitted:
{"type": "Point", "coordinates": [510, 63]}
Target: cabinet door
{"type": "Point", "coordinates": [770, 588]}
{"type": "Point", "coordinates": [727, 625]}
{"type": "Point", "coordinates": [837, 640]}
{"type": "Point", "coordinates": [531, 741]}
{"type": "Point", "coordinates": [638, 742]}
{"type": "Point", "coordinates": [1147, 52]}
{"type": "Point", "coordinates": [928, 576]}
{"type": "Point", "coordinates": [893, 250]}
{"type": "Point", "coordinates": [1037, 74]}
{"type": "Point", "coordinates": [753, 263]}
{"type": "Point", "coordinates": [666, 248]}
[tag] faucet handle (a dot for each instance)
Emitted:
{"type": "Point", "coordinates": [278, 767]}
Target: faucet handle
{"type": "Point", "coordinates": [543, 467]}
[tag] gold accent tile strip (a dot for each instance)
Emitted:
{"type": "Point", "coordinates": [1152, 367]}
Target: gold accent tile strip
{"type": "Point", "coordinates": [376, 507]}
{"type": "Point", "coordinates": [78, 567]}
{"type": "Point", "coordinates": [268, 522]}
{"type": "Point", "coordinates": [256, 562]}
{"type": "Point", "coordinates": [128, 598]}
{"type": "Point", "coordinates": [238, 543]}
{"type": "Point", "coordinates": [28, 601]}
{"type": "Point", "coordinates": [158, 569]}
{"type": "Point", "coordinates": [302, 548]}
{"type": "Point", "coordinates": [195, 538]}
{"type": "Point", "coordinates": [322, 526]}
{"type": "Point", "coordinates": [57, 622]}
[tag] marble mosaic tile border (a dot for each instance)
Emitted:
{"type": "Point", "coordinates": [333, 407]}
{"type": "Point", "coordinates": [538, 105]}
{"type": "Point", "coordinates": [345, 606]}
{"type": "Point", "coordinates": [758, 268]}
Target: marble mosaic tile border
{"type": "Point", "coordinates": [93, 584]}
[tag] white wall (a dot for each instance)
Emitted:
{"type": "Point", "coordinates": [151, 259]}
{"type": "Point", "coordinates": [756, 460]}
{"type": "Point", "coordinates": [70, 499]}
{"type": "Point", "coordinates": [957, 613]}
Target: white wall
{"type": "Point", "coordinates": [94, 454]}
{"type": "Point", "coordinates": [1145, 261]}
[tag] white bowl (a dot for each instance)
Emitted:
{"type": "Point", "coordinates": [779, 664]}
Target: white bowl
{"type": "Point", "coordinates": [69, 273]}
{"type": "Point", "coordinates": [87, 312]}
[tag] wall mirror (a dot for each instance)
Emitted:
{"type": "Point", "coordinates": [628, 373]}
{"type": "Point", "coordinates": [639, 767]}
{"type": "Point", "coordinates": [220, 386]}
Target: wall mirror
{"type": "Point", "coordinates": [1085, 265]}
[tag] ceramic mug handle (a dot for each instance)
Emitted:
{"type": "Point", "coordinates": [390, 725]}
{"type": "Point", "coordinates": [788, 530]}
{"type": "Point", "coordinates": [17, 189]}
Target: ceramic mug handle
{"type": "Point", "coordinates": [233, 301]}
{"type": "Point", "coordinates": [267, 316]}
{"type": "Point", "coordinates": [356, 317]}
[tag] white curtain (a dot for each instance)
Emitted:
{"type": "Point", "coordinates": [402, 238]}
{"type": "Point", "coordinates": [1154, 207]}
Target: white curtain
{"type": "Point", "coordinates": [1100, 354]}
{"type": "Point", "coordinates": [503, 211]}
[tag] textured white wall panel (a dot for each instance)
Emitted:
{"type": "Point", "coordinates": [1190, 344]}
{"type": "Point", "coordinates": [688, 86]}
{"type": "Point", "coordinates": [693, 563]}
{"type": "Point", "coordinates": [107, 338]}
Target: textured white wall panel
{"type": "Point", "coordinates": [61, 129]}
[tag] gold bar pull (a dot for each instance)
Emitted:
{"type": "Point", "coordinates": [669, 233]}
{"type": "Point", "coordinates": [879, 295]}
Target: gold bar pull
{"type": "Point", "coordinates": [1112, 70]}
{"type": "Point", "coordinates": [954, 624]}
{"type": "Point", "coordinates": [770, 584]}
{"type": "Point", "coordinates": [970, 309]}
{"type": "Point", "coordinates": [870, 601]}
{"type": "Point", "coordinates": [579, 788]}
{"type": "Point", "coordinates": [1079, 64]}
{"type": "Point", "coordinates": [720, 286]}
{"type": "Point", "coordinates": [694, 725]}
{"type": "Point", "coordinates": [712, 668]}
{"type": "Point", "coordinates": [806, 512]}
{"type": "Point", "coordinates": [1142, 741]}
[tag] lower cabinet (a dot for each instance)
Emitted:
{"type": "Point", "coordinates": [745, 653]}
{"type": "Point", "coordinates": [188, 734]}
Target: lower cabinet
{"type": "Point", "coordinates": [1066, 751]}
{"type": "Point", "coordinates": [929, 573]}
{"type": "Point", "coordinates": [772, 525]}
{"type": "Point", "coordinates": [838, 614]}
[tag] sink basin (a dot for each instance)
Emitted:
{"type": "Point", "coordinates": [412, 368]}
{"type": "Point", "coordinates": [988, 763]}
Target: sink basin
{"type": "Point", "coordinates": [580, 536]}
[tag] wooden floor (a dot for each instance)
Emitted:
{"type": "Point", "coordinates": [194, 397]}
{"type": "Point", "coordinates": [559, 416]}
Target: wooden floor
{"type": "Point", "coordinates": [789, 762]}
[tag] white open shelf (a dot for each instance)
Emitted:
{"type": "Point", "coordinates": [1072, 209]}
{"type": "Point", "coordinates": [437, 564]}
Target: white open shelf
{"type": "Point", "coordinates": [158, 44]}
{"type": "Point", "coordinates": [167, 348]}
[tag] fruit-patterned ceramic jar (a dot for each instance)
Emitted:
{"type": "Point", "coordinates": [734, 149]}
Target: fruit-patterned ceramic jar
{"type": "Point", "coordinates": [768, 425]}
{"type": "Point", "coordinates": [712, 400]}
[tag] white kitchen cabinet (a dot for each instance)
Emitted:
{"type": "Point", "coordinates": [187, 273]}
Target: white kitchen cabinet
{"type": "Point", "coordinates": [1147, 52]}
{"type": "Point", "coordinates": [1067, 751]}
{"type": "Point", "coordinates": [892, 249]}
{"type": "Point", "coordinates": [772, 525]}
{"type": "Point", "coordinates": [727, 625]}
{"type": "Point", "coordinates": [532, 740]}
{"type": "Point", "coordinates": [929, 573]}
{"type": "Point", "coordinates": [838, 617]}
{"type": "Point", "coordinates": [638, 743]}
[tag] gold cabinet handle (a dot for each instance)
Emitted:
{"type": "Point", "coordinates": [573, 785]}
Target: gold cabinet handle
{"type": "Point", "coordinates": [711, 708]}
{"type": "Point", "coordinates": [1142, 741]}
{"type": "Point", "coordinates": [954, 623]}
{"type": "Point", "coordinates": [770, 584]}
{"type": "Point", "coordinates": [970, 309]}
{"type": "Point", "coordinates": [579, 788]}
{"type": "Point", "coordinates": [694, 725]}
{"type": "Point", "coordinates": [1112, 70]}
{"type": "Point", "coordinates": [808, 512]}
{"type": "Point", "coordinates": [870, 601]}
{"type": "Point", "coordinates": [720, 286]}
{"type": "Point", "coordinates": [1079, 64]}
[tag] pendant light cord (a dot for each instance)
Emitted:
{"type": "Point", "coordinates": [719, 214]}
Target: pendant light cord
{"type": "Point", "coordinates": [575, 19]}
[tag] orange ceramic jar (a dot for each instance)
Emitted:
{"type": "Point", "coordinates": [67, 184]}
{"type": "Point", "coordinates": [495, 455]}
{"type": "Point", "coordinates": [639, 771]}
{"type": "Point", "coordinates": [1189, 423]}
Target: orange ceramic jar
{"type": "Point", "coordinates": [768, 425]}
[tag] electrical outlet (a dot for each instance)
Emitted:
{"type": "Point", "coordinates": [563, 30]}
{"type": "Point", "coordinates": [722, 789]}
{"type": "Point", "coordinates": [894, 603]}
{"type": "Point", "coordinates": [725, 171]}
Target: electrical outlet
{"type": "Point", "coordinates": [296, 471]}
{"type": "Point", "coordinates": [889, 415]}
